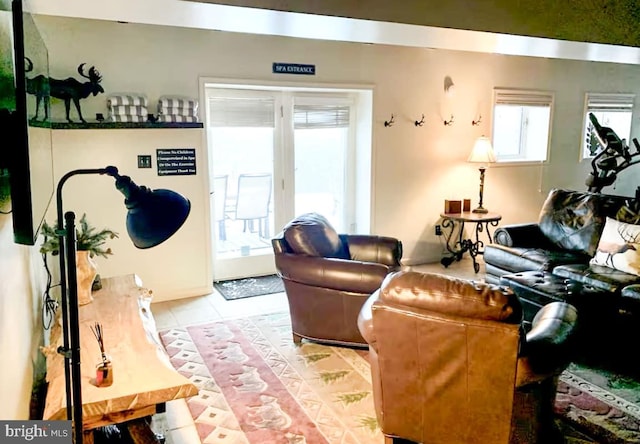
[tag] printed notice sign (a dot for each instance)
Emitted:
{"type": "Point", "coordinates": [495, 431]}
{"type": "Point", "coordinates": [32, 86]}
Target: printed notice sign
{"type": "Point", "coordinates": [176, 161]}
{"type": "Point", "coordinates": [294, 68]}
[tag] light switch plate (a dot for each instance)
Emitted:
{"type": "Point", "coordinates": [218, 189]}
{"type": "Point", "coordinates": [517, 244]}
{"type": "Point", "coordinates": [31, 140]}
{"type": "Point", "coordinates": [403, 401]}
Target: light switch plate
{"type": "Point", "coordinates": [144, 161]}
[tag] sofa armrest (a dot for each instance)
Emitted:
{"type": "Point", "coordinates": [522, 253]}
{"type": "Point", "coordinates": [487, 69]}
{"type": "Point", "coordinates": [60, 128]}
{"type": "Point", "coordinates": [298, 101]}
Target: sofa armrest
{"type": "Point", "coordinates": [547, 345]}
{"type": "Point", "coordinates": [370, 248]}
{"type": "Point", "coordinates": [365, 321]}
{"type": "Point", "coordinates": [338, 274]}
{"type": "Point", "coordinates": [522, 235]}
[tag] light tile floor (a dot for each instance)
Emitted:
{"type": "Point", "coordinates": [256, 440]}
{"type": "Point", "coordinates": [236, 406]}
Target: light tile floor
{"type": "Point", "coordinates": [176, 424]}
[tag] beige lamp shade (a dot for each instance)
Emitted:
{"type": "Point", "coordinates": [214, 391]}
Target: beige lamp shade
{"type": "Point", "coordinates": [482, 151]}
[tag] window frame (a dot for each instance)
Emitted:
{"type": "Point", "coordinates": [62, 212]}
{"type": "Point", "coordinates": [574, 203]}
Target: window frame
{"type": "Point", "coordinates": [523, 98]}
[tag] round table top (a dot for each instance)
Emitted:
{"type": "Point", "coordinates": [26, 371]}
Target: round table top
{"type": "Point", "coordinates": [470, 216]}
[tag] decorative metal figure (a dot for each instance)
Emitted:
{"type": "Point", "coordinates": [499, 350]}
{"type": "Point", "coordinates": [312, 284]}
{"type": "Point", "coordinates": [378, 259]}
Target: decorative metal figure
{"type": "Point", "coordinates": [69, 89]}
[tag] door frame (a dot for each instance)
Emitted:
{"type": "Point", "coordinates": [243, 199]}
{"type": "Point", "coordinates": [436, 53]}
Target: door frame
{"type": "Point", "coordinates": [283, 152]}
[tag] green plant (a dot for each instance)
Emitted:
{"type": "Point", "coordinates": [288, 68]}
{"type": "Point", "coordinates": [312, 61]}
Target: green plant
{"type": "Point", "coordinates": [5, 189]}
{"type": "Point", "coordinates": [88, 239]}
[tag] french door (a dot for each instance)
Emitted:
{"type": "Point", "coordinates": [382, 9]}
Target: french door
{"type": "Point", "coordinates": [274, 154]}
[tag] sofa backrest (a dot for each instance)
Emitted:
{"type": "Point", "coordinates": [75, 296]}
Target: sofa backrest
{"type": "Point", "coordinates": [573, 220]}
{"type": "Point", "coordinates": [445, 361]}
{"type": "Point", "coordinates": [311, 234]}
{"type": "Point", "coordinates": [451, 297]}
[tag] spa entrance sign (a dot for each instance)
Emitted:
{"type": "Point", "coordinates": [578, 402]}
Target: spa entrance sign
{"type": "Point", "coordinates": [294, 68]}
{"type": "Point", "coordinates": [176, 161]}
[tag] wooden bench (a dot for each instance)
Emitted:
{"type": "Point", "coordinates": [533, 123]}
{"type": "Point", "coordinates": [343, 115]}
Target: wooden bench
{"type": "Point", "coordinates": [143, 376]}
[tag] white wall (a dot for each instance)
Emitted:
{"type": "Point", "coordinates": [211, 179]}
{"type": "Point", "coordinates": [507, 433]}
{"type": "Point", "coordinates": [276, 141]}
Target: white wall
{"type": "Point", "coordinates": [180, 266]}
{"type": "Point", "coordinates": [414, 168]}
{"type": "Point", "coordinates": [22, 282]}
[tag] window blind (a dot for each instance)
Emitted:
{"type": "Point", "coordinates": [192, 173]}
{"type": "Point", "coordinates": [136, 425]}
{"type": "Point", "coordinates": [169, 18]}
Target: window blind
{"type": "Point", "coordinates": [251, 112]}
{"type": "Point", "coordinates": [602, 102]}
{"type": "Point", "coordinates": [320, 116]}
{"type": "Point", "coordinates": [523, 98]}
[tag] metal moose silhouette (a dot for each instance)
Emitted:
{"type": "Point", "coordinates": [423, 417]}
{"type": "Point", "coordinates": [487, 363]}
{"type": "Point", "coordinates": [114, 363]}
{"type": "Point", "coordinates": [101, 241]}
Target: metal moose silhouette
{"type": "Point", "coordinates": [68, 89]}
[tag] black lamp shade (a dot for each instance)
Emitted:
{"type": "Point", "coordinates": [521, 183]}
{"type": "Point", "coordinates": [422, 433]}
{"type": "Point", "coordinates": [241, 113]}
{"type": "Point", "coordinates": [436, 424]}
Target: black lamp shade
{"type": "Point", "coordinates": [154, 215]}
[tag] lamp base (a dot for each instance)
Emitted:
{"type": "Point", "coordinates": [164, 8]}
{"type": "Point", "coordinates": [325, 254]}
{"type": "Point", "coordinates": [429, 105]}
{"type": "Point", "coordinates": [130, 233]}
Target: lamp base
{"type": "Point", "coordinates": [480, 210]}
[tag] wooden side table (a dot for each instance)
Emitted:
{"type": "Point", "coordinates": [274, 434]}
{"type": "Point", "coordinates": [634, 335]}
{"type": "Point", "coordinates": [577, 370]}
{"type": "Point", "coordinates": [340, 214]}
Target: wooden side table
{"type": "Point", "coordinates": [143, 376]}
{"type": "Point", "coordinates": [454, 223]}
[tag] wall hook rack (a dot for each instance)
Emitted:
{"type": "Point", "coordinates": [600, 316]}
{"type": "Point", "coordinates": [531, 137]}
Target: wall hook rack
{"type": "Point", "coordinates": [389, 122]}
{"type": "Point", "coordinates": [449, 122]}
{"type": "Point", "coordinates": [419, 122]}
{"type": "Point", "coordinates": [477, 122]}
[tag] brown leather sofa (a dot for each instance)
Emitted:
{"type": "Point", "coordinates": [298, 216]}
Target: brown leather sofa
{"type": "Point", "coordinates": [451, 364]}
{"type": "Point", "coordinates": [328, 276]}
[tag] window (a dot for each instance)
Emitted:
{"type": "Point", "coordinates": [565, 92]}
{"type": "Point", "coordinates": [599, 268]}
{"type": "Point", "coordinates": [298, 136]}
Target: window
{"type": "Point", "coordinates": [521, 125]}
{"type": "Point", "coordinates": [611, 110]}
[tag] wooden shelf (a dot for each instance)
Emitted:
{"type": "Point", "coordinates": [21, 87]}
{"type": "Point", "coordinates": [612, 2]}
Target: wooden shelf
{"type": "Point", "coordinates": [125, 125]}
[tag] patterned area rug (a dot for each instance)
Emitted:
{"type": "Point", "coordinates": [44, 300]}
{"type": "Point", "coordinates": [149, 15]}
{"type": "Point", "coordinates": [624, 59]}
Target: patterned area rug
{"type": "Point", "coordinates": [249, 287]}
{"type": "Point", "coordinates": [256, 386]}
{"type": "Point", "coordinates": [603, 404]}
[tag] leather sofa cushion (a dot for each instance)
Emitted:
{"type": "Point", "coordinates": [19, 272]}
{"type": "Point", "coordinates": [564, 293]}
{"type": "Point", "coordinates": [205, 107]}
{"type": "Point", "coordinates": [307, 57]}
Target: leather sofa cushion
{"type": "Point", "coordinates": [632, 292]}
{"type": "Point", "coordinates": [451, 296]}
{"type": "Point", "coordinates": [311, 234]}
{"type": "Point", "coordinates": [597, 276]}
{"type": "Point", "coordinates": [573, 220]}
{"type": "Point", "coordinates": [516, 259]}
{"type": "Point", "coordinates": [542, 288]}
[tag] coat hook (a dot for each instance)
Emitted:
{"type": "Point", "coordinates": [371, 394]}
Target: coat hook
{"type": "Point", "coordinates": [389, 122]}
{"type": "Point", "coordinates": [477, 122]}
{"type": "Point", "coordinates": [419, 122]}
{"type": "Point", "coordinates": [449, 122]}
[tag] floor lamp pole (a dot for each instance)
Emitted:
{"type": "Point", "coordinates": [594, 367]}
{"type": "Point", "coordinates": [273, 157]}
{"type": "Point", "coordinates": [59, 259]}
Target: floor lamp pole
{"type": "Point", "coordinates": [70, 348]}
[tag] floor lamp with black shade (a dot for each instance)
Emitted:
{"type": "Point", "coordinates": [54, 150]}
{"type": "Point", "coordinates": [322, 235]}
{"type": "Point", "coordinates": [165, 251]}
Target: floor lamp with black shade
{"type": "Point", "coordinates": [153, 216]}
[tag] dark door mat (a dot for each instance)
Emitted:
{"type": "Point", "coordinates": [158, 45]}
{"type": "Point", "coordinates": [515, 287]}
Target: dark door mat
{"type": "Point", "coordinates": [249, 287]}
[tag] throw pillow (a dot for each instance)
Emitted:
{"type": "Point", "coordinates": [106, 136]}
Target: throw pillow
{"type": "Point", "coordinates": [573, 220]}
{"type": "Point", "coordinates": [311, 234]}
{"type": "Point", "coordinates": [619, 247]}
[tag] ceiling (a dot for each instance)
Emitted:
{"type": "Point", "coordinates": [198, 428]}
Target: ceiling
{"type": "Point", "coordinates": [330, 21]}
{"type": "Point", "coordinates": [595, 21]}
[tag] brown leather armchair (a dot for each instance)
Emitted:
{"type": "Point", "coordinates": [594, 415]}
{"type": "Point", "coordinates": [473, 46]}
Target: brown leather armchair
{"type": "Point", "coordinates": [451, 364]}
{"type": "Point", "coordinates": [328, 276]}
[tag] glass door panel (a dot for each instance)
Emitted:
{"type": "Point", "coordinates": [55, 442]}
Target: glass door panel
{"type": "Point", "coordinates": [244, 156]}
{"type": "Point", "coordinates": [320, 165]}
{"type": "Point", "coordinates": [242, 135]}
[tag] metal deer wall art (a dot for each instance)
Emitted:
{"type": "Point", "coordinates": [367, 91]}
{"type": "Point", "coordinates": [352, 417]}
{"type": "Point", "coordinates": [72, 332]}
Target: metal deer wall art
{"type": "Point", "coordinates": [69, 89]}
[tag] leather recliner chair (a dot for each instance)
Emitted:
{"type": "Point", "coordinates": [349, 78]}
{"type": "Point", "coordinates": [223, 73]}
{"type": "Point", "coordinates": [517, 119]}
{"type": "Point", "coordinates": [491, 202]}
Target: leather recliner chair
{"type": "Point", "coordinates": [328, 276]}
{"type": "Point", "coordinates": [451, 364]}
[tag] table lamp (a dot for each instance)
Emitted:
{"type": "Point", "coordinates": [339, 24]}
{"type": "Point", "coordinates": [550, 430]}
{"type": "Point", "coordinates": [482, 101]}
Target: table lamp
{"type": "Point", "coordinates": [483, 154]}
{"type": "Point", "coordinates": [153, 216]}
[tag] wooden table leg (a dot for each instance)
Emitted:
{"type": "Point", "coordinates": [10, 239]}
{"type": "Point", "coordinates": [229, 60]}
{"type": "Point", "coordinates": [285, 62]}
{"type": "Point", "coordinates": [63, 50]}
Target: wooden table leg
{"type": "Point", "coordinates": [87, 436]}
{"type": "Point", "coordinates": [140, 431]}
